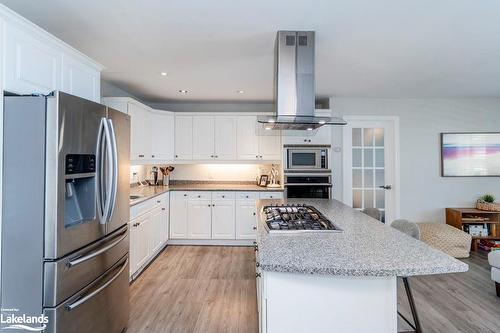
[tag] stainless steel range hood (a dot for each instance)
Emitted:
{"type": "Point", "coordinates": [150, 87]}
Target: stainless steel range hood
{"type": "Point", "coordinates": [294, 92]}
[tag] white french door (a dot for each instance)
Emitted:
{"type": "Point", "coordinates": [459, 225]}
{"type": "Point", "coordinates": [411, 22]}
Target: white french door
{"type": "Point", "coordinates": [370, 164]}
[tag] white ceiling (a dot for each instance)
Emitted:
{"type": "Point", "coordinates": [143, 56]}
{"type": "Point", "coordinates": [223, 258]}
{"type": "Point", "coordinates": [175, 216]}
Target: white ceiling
{"type": "Point", "coordinates": [364, 48]}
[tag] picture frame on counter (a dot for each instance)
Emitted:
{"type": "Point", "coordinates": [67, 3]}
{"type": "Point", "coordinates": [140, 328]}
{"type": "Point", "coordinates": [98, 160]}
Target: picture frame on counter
{"type": "Point", "coordinates": [263, 180]}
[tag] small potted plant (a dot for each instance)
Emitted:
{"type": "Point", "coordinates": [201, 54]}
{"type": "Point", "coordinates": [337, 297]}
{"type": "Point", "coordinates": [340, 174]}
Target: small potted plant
{"type": "Point", "coordinates": [487, 202]}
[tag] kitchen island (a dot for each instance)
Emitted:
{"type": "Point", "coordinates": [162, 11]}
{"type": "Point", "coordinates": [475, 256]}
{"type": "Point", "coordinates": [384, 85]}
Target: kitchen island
{"type": "Point", "coordinates": [337, 281]}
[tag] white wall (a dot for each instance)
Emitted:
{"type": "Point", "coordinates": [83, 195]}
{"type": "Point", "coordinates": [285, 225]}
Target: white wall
{"type": "Point", "coordinates": [424, 193]}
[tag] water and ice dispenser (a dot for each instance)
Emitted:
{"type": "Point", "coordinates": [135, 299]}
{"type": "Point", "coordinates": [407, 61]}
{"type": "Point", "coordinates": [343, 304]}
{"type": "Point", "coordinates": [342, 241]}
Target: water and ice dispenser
{"type": "Point", "coordinates": [80, 198]}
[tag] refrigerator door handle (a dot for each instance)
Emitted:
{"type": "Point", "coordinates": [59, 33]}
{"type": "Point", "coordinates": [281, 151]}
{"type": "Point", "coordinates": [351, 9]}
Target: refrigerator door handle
{"type": "Point", "coordinates": [85, 298]}
{"type": "Point", "coordinates": [109, 172]}
{"type": "Point", "coordinates": [99, 168]}
{"type": "Point", "coordinates": [89, 256]}
{"type": "Point", "coordinates": [114, 160]}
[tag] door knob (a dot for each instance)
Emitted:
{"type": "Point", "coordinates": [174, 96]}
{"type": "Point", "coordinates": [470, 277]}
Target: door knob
{"type": "Point", "coordinates": [386, 187]}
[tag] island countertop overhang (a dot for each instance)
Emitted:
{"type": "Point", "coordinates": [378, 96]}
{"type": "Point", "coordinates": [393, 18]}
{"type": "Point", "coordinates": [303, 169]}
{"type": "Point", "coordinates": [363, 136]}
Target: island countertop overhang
{"type": "Point", "coordinates": [366, 247]}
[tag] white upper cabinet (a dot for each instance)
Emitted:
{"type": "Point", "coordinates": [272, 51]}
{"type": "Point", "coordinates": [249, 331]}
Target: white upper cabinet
{"type": "Point", "coordinates": [183, 137]}
{"type": "Point", "coordinates": [81, 80]}
{"type": "Point", "coordinates": [162, 132]}
{"type": "Point", "coordinates": [247, 139]}
{"type": "Point", "coordinates": [37, 62]}
{"type": "Point", "coordinates": [140, 132]}
{"type": "Point", "coordinates": [225, 137]}
{"type": "Point", "coordinates": [203, 137]}
{"type": "Point", "coordinates": [270, 146]}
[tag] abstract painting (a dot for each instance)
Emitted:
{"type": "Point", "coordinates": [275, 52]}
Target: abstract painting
{"type": "Point", "coordinates": [470, 154]}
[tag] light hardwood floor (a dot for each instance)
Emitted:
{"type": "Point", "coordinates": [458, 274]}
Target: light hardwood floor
{"type": "Point", "coordinates": [212, 289]}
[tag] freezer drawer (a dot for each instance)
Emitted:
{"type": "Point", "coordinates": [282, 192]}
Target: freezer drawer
{"type": "Point", "coordinates": [67, 276]}
{"type": "Point", "coordinates": [101, 307]}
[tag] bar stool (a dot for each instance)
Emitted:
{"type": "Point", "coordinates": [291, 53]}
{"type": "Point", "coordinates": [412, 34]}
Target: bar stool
{"type": "Point", "coordinates": [411, 229]}
{"type": "Point", "coordinates": [373, 212]}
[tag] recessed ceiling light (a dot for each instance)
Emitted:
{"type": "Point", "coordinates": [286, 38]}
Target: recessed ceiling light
{"type": "Point", "coordinates": [309, 129]}
{"type": "Point", "coordinates": [321, 122]}
{"type": "Point", "coordinates": [182, 91]}
{"type": "Point", "coordinates": [163, 73]}
{"type": "Point", "coordinates": [240, 91]}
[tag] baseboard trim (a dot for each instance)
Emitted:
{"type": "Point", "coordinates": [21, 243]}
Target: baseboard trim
{"type": "Point", "coordinates": [214, 242]}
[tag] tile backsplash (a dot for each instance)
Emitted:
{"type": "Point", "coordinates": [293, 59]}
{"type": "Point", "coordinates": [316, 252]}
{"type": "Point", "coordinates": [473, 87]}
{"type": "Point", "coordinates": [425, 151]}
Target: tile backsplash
{"type": "Point", "coordinates": [206, 172]}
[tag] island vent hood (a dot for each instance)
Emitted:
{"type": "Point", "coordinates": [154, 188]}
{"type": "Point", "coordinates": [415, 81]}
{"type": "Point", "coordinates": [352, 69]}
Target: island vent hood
{"type": "Point", "coordinates": [294, 93]}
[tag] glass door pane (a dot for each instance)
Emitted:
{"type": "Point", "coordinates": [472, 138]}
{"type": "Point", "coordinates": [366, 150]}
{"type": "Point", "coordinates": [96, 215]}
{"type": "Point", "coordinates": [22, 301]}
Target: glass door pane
{"type": "Point", "coordinates": [368, 169]}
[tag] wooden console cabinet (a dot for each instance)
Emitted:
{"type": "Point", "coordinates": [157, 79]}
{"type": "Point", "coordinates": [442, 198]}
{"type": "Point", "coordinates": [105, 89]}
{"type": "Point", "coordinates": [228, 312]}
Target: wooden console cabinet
{"type": "Point", "coordinates": [459, 217]}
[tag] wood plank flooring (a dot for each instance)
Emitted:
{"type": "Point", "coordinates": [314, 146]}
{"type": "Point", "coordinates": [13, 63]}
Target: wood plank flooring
{"type": "Point", "coordinates": [212, 289]}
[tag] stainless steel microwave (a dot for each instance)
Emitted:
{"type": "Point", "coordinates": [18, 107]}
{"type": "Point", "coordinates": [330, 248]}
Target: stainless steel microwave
{"type": "Point", "coordinates": [306, 158]}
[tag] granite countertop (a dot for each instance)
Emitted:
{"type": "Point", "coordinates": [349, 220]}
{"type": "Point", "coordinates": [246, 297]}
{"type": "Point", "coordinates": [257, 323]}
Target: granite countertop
{"type": "Point", "coordinates": [148, 192]}
{"type": "Point", "coordinates": [366, 247]}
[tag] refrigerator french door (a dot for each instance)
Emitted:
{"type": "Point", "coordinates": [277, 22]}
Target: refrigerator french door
{"type": "Point", "coordinates": [65, 239]}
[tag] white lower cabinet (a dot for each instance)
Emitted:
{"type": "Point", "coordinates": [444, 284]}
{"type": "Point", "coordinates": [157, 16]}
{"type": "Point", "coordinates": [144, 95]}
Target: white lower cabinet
{"type": "Point", "coordinates": [148, 231]}
{"type": "Point", "coordinates": [217, 215]}
{"type": "Point", "coordinates": [223, 218]}
{"type": "Point", "coordinates": [246, 222]}
{"type": "Point", "coordinates": [199, 219]}
{"type": "Point", "coordinates": [178, 215]}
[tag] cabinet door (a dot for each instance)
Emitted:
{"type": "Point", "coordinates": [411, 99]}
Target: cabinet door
{"type": "Point", "coordinates": [322, 135]}
{"type": "Point", "coordinates": [199, 219]}
{"type": "Point", "coordinates": [178, 215]}
{"type": "Point", "coordinates": [32, 63]}
{"type": "Point", "coordinates": [203, 137]}
{"type": "Point", "coordinates": [247, 141]}
{"type": "Point", "coordinates": [81, 80]}
{"type": "Point", "coordinates": [270, 146]}
{"type": "Point", "coordinates": [183, 137]}
{"type": "Point", "coordinates": [225, 138]}
{"type": "Point", "coordinates": [143, 244]}
{"type": "Point", "coordinates": [140, 133]}
{"type": "Point", "coordinates": [162, 137]}
{"type": "Point", "coordinates": [134, 239]}
{"type": "Point", "coordinates": [157, 229]}
{"type": "Point", "coordinates": [245, 219]}
{"type": "Point", "coordinates": [223, 222]}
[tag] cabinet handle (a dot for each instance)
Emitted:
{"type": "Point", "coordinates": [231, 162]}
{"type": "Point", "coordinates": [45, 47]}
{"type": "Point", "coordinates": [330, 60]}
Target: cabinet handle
{"type": "Point", "coordinates": [309, 140]}
{"type": "Point", "coordinates": [260, 156]}
{"type": "Point", "coordinates": [212, 156]}
{"type": "Point", "coordinates": [158, 201]}
{"type": "Point", "coordinates": [257, 156]}
{"type": "Point", "coordinates": [185, 195]}
{"type": "Point", "coordinates": [223, 196]}
{"type": "Point", "coordinates": [208, 205]}
{"type": "Point", "coordinates": [271, 196]}
{"type": "Point", "coordinates": [163, 209]}
{"type": "Point", "coordinates": [254, 228]}
{"type": "Point", "coordinates": [141, 155]}
{"type": "Point", "coordinates": [257, 264]}
{"type": "Point", "coordinates": [153, 156]}
{"type": "Point", "coordinates": [199, 196]}
{"type": "Point", "coordinates": [305, 140]}
{"type": "Point", "coordinates": [247, 196]}
{"type": "Point", "coordinates": [257, 275]}
{"type": "Point", "coordinates": [256, 248]}
{"type": "Point", "coordinates": [176, 156]}
{"type": "Point", "coordinates": [254, 213]}
{"type": "Point", "coordinates": [216, 156]}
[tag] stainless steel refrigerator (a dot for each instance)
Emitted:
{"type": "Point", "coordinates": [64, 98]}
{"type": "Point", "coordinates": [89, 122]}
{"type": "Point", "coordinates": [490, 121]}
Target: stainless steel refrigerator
{"type": "Point", "coordinates": [65, 210]}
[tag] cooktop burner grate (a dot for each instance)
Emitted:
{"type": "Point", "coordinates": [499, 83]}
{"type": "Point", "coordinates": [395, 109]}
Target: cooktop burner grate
{"type": "Point", "coordinates": [296, 218]}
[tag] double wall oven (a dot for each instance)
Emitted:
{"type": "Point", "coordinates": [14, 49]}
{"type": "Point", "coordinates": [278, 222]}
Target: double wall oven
{"type": "Point", "coordinates": [65, 238]}
{"type": "Point", "coordinates": [307, 173]}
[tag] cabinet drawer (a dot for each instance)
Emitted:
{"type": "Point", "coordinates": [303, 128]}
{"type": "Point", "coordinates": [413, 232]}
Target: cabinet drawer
{"type": "Point", "coordinates": [179, 194]}
{"type": "Point", "coordinates": [271, 195]}
{"type": "Point", "coordinates": [247, 195]}
{"type": "Point", "coordinates": [223, 195]}
{"type": "Point", "coordinates": [199, 195]}
{"type": "Point", "coordinates": [142, 208]}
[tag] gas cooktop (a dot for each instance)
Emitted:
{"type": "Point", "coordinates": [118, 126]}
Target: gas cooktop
{"type": "Point", "coordinates": [296, 218]}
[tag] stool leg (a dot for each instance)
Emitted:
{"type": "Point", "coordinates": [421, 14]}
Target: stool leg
{"type": "Point", "coordinates": [413, 308]}
{"type": "Point", "coordinates": [497, 285]}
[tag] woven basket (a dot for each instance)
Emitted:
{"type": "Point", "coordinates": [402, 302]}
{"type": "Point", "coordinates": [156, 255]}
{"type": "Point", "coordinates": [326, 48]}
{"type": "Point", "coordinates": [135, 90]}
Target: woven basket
{"type": "Point", "coordinates": [483, 205]}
